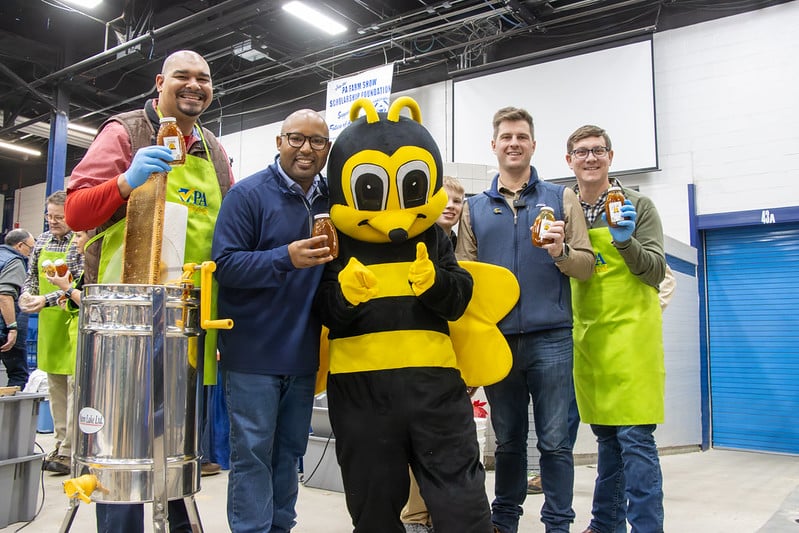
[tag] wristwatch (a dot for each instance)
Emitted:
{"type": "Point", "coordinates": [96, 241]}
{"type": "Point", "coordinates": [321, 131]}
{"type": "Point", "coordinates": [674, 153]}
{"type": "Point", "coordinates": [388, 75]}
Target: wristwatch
{"type": "Point", "coordinates": [12, 326]}
{"type": "Point", "coordinates": [564, 254]}
{"type": "Point", "coordinates": [68, 293]}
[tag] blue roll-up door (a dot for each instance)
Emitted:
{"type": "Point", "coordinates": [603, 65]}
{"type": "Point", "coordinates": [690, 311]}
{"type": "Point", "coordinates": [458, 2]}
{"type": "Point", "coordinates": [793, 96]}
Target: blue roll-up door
{"type": "Point", "coordinates": [753, 321]}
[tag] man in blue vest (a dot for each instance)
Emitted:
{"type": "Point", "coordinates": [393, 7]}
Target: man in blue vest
{"type": "Point", "coordinates": [495, 228]}
{"type": "Point", "coordinates": [13, 336]}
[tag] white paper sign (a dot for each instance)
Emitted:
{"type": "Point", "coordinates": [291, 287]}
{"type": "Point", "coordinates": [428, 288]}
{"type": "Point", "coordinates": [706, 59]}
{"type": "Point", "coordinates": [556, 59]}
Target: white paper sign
{"type": "Point", "coordinates": [374, 84]}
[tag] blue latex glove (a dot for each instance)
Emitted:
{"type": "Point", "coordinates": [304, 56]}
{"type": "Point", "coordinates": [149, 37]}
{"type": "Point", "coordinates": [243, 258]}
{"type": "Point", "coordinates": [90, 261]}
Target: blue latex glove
{"type": "Point", "coordinates": [146, 161]}
{"type": "Point", "coordinates": [626, 226]}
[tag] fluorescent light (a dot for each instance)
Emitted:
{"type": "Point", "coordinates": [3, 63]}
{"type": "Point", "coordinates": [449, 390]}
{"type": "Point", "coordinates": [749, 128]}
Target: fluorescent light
{"type": "Point", "coordinates": [20, 149]}
{"type": "Point", "coordinates": [314, 17]}
{"type": "Point", "coordinates": [82, 129]}
{"type": "Point", "coordinates": [89, 4]}
{"type": "Point", "coordinates": [77, 135]}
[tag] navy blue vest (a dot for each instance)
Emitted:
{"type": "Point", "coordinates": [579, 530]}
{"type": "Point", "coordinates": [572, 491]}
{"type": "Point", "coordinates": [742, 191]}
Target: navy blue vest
{"type": "Point", "coordinates": [504, 239]}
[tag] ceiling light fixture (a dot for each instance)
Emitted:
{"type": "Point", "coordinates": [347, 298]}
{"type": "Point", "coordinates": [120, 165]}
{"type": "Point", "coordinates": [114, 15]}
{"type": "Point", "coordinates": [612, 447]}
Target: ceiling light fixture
{"type": "Point", "coordinates": [88, 4]}
{"type": "Point", "coordinates": [77, 135]}
{"type": "Point", "coordinates": [245, 51]}
{"type": "Point", "coordinates": [82, 129]}
{"type": "Point", "coordinates": [314, 17]}
{"type": "Point", "coordinates": [21, 149]}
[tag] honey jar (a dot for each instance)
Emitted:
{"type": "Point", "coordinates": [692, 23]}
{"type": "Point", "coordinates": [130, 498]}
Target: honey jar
{"type": "Point", "coordinates": [169, 135]}
{"type": "Point", "coordinates": [48, 267]}
{"type": "Point", "coordinates": [613, 205]}
{"type": "Point", "coordinates": [322, 225]}
{"type": "Point", "coordinates": [541, 225]}
{"type": "Point", "coordinates": [60, 267]}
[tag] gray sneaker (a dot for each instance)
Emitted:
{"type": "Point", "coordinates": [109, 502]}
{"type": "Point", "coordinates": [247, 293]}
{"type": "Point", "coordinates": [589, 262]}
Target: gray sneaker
{"type": "Point", "coordinates": [418, 528]}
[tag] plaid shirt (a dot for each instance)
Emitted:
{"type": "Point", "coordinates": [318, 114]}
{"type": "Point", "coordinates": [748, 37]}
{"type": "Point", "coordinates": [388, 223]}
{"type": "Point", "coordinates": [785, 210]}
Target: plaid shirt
{"type": "Point", "coordinates": [51, 243]}
{"type": "Point", "coordinates": [593, 212]}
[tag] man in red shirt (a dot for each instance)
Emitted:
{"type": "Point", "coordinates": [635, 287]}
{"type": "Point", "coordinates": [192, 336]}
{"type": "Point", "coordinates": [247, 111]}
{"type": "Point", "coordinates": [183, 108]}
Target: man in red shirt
{"type": "Point", "coordinates": [121, 158]}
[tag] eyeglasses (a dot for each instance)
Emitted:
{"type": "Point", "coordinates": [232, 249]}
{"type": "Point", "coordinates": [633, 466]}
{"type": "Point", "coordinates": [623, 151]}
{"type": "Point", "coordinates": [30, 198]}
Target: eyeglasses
{"type": "Point", "coordinates": [598, 151]}
{"type": "Point", "coordinates": [26, 244]}
{"type": "Point", "coordinates": [297, 140]}
{"type": "Point", "coordinates": [55, 218]}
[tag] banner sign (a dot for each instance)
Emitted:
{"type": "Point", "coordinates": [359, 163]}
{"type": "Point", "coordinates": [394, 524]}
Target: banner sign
{"type": "Point", "coordinates": [374, 84]}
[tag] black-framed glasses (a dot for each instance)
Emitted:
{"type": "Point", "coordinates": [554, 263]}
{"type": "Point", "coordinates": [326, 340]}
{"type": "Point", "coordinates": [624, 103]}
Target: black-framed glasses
{"type": "Point", "coordinates": [297, 140]}
{"type": "Point", "coordinates": [27, 245]}
{"type": "Point", "coordinates": [598, 151]}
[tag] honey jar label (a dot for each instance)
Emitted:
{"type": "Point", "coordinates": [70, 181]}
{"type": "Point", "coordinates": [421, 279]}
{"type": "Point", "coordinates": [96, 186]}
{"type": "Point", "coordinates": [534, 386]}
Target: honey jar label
{"type": "Point", "coordinates": [615, 212]}
{"type": "Point", "coordinates": [545, 225]}
{"type": "Point", "coordinates": [173, 143]}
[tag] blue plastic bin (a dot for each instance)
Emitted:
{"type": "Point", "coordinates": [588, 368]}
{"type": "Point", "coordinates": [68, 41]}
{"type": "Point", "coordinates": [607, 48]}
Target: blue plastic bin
{"type": "Point", "coordinates": [32, 359]}
{"type": "Point", "coordinates": [45, 424]}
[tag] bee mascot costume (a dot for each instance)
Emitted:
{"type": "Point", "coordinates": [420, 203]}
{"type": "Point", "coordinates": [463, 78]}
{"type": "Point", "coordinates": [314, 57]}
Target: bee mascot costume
{"type": "Point", "coordinates": [396, 388]}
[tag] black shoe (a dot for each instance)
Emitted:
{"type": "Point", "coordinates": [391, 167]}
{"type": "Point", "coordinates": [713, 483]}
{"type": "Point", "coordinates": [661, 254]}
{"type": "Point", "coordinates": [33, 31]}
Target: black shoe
{"type": "Point", "coordinates": [57, 464]}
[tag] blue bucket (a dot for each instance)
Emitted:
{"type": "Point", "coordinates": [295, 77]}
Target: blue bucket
{"type": "Point", "coordinates": [44, 424]}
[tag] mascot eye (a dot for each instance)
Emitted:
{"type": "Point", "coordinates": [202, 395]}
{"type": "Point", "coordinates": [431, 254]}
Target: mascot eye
{"type": "Point", "coordinates": [369, 187]}
{"type": "Point", "coordinates": [413, 181]}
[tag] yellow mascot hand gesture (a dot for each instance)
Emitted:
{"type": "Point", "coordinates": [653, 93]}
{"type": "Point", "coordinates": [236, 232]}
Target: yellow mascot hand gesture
{"type": "Point", "coordinates": [358, 283]}
{"type": "Point", "coordinates": [422, 273]}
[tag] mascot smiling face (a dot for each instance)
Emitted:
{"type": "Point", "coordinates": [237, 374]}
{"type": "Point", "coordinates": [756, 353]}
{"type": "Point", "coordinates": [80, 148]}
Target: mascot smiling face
{"type": "Point", "coordinates": [385, 175]}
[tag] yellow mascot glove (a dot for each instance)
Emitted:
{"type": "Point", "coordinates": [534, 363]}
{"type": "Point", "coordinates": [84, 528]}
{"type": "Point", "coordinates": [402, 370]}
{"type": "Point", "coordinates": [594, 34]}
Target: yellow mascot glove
{"type": "Point", "coordinates": [358, 283]}
{"type": "Point", "coordinates": [422, 273]}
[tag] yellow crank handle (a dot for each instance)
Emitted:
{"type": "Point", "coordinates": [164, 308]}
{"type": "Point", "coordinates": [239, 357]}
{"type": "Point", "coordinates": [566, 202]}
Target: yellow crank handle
{"type": "Point", "coordinates": [206, 280]}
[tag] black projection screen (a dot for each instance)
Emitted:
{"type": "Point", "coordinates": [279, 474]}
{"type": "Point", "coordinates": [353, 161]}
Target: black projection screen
{"type": "Point", "coordinates": [611, 88]}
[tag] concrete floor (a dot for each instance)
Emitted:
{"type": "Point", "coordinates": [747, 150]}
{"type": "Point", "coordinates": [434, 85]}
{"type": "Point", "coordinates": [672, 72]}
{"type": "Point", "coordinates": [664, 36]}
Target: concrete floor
{"type": "Point", "coordinates": [717, 491]}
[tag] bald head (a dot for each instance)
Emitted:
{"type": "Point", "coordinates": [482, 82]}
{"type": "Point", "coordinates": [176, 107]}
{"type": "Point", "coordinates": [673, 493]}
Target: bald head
{"type": "Point", "coordinates": [176, 59]}
{"type": "Point", "coordinates": [184, 88]}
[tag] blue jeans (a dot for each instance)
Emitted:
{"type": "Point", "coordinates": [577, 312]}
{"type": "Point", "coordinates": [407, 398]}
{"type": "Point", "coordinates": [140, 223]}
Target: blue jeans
{"type": "Point", "coordinates": [629, 483]}
{"type": "Point", "coordinates": [129, 517]}
{"type": "Point", "coordinates": [542, 370]}
{"type": "Point", "coordinates": [16, 362]}
{"type": "Point", "coordinates": [269, 420]}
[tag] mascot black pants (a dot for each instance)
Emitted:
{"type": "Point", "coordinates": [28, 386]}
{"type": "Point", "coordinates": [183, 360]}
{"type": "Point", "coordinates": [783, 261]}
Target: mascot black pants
{"type": "Point", "coordinates": [388, 419]}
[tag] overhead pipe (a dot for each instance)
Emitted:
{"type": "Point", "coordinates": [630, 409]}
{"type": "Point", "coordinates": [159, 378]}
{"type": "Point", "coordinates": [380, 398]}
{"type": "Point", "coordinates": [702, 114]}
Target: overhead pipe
{"type": "Point", "coordinates": [430, 31]}
{"type": "Point", "coordinates": [391, 41]}
{"type": "Point", "coordinates": [553, 51]}
{"type": "Point", "coordinates": [150, 36]}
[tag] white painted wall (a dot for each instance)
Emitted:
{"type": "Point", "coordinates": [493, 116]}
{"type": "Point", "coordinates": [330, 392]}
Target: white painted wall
{"type": "Point", "coordinates": [29, 208]}
{"type": "Point", "coordinates": [727, 114]}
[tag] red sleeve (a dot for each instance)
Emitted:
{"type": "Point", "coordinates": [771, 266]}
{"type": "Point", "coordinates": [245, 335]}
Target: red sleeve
{"type": "Point", "coordinates": [88, 208]}
{"type": "Point", "coordinates": [92, 193]}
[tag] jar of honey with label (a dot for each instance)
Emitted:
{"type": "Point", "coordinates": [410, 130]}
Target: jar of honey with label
{"type": "Point", "coordinates": [541, 225]}
{"type": "Point", "coordinates": [613, 205]}
{"type": "Point", "coordinates": [322, 225]}
{"type": "Point", "coordinates": [48, 267]}
{"type": "Point", "coordinates": [169, 135]}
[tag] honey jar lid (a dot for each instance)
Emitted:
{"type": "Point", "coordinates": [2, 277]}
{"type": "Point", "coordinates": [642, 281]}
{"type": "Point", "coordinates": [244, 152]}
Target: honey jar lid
{"type": "Point", "coordinates": [547, 208]}
{"type": "Point", "coordinates": [615, 188]}
{"type": "Point", "coordinates": [321, 215]}
{"type": "Point", "coordinates": [168, 119]}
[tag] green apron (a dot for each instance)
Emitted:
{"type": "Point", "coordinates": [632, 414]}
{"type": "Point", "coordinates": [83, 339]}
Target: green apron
{"type": "Point", "coordinates": [53, 354]}
{"type": "Point", "coordinates": [195, 186]}
{"type": "Point", "coordinates": [619, 373]}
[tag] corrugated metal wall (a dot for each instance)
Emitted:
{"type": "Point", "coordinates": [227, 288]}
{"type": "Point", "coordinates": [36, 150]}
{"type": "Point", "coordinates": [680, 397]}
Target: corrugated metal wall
{"type": "Point", "coordinates": [753, 318]}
